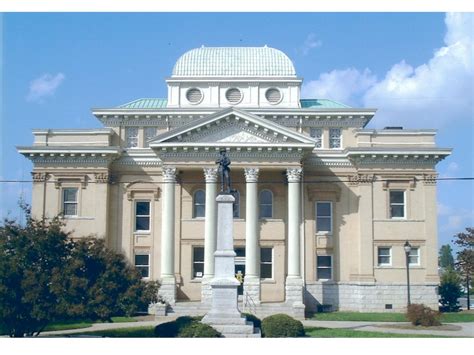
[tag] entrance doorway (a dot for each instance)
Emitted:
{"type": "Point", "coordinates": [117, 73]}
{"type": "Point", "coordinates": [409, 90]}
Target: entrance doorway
{"type": "Point", "coordinates": [240, 269]}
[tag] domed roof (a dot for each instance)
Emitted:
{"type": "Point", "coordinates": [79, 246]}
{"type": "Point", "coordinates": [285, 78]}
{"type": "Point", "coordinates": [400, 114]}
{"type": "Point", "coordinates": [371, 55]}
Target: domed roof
{"type": "Point", "coordinates": [234, 62]}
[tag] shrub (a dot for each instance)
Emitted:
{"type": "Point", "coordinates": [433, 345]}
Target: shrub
{"type": "Point", "coordinates": [198, 330]}
{"type": "Point", "coordinates": [450, 290]}
{"type": "Point", "coordinates": [185, 327]}
{"type": "Point", "coordinates": [257, 323]}
{"type": "Point", "coordinates": [166, 330]}
{"type": "Point", "coordinates": [419, 314]}
{"type": "Point", "coordinates": [281, 326]}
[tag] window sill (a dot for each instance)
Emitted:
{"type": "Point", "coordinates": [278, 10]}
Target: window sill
{"type": "Point", "coordinates": [142, 233]}
{"type": "Point", "coordinates": [79, 218]}
{"type": "Point", "coordinates": [270, 219]}
{"type": "Point", "coordinates": [323, 234]}
{"type": "Point", "coordinates": [196, 281]}
{"type": "Point", "coordinates": [268, 281]}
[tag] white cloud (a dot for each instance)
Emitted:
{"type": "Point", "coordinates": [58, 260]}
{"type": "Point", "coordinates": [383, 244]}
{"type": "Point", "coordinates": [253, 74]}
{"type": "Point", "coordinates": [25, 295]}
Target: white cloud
{"type": "Point", "coordinates": [434, 94]}
{"type": "Point", "coordinates": [310, 43]}
{"type": "Point", "coordinates": [44, 86]}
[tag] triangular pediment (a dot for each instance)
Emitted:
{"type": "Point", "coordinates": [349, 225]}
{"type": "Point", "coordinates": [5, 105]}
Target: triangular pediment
{"type": "Point", "coordinates": [232, 126]}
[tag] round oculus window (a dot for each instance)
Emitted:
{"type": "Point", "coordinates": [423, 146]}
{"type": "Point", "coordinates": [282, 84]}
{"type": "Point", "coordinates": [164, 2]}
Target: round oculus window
{"type": "Point", "coordinates": [233, 95]}
{"type": "Point", "coordinates": [273, 95]}
{"type": "Point", "coordinates": [194, 95]}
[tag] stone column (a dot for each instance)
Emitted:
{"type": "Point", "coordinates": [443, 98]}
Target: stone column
{"type": "Point", "coordinates": [252, 247]}
{"type": "Point", "coordinates": [294, 282]}
{"type": "Point", "coordinates": [168, 281]}
{"type": "Point", "coordinates": [210, 233]}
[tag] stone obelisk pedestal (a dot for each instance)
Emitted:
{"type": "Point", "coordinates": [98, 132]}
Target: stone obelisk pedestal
{"type": "Point", "coordinates": [224, 315]}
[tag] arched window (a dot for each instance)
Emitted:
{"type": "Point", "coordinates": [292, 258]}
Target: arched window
{"type": "Point", "coordinates": [237, 204]}
{"type": "Point", "coordinates": [199, 204]}
{"type": "Point", "coordinates": [266, 204]}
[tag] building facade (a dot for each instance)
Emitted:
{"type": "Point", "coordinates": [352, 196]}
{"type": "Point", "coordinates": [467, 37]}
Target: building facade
{"type": "Point", "coordinates": [323, 205]}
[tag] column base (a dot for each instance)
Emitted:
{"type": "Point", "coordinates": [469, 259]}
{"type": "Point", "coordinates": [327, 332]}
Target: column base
{"type": "Point", "coordinates": [251, 295]}
{"type": "Point", "coordinates": [206, 290]}
{"type": "Point", "coordinates": [294, 296]}
{"type": "Point", "coordinates": [167, 290]}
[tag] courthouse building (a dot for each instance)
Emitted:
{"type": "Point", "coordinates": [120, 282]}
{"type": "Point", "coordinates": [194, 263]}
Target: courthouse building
{"type": "Point", "coordinates": [323, 205]}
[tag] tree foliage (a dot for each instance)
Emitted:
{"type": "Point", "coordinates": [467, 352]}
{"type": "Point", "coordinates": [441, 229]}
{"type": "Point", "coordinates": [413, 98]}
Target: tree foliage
{"type": "Point", "coordinates": [465, 256]}
{"type": "Point", "coordinates": [450, 290]}
{"type": "Point", "coordinates": [46, 276]}
{"type": "Point", "coordinates": [446, 259]}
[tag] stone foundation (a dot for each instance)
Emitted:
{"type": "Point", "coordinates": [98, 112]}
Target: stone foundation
{"type": "Point", "coordinates": [367, 297]}
{"type": "Point", "coordinates": [167, 290]}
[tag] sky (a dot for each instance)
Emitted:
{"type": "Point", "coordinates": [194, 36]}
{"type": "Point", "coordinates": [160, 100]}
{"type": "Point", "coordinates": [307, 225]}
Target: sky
{"type": "Point", "coordinates": [415, 68]}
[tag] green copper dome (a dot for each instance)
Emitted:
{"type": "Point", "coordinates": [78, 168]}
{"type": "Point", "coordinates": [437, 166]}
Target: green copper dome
{"type": "Point", "coordinates": [234, 62]}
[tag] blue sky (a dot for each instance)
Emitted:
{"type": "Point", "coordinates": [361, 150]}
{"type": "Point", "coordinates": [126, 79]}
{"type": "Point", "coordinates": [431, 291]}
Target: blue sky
{"type": "Point", "coordinates": [416, 68]}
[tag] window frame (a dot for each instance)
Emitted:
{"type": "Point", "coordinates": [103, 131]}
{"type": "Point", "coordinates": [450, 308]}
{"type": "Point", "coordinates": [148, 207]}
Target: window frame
{"type": "Point", "coordinates": [136, 216]}
{"type": "Point", "coordinates": [127, 137]}
{"type": "Point", "coordinates": [418, 258]}
{"type": "Point", "coordinates": [63, 202]}
{"type": "Point", "coordinates": [146, 137]}
{"type": "Point", "coordinates": [148, 266]}
{"type": "Point", "coordinates": [266, 204]}
{"type": "Point", "coordinates": [397, 204]}
{"type": "Point", "coordinates": [267, 263]}
{"type": "Point", "coordinates": [200, 204]}
{"type": "Point", "coordinates": [194, 262]}
{"type": "Point", "coordinates": [320, 139]}
{"type": "Point", "coordinates": [331, 218]}
{"type": "Point", "coordinates": [340, 138]}
{"type": "Point", "coordinates": [389, 255]}
{"type": "Point", "coordinates": [331, 267]}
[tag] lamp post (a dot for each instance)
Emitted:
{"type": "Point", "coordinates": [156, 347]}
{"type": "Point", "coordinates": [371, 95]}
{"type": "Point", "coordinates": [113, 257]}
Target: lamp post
{"type": "Point", "coordinates": [407, 248]}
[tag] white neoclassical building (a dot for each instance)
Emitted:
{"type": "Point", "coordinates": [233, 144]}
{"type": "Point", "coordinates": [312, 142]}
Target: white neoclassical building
{"type": "Point", "coordinates": [323, 204]}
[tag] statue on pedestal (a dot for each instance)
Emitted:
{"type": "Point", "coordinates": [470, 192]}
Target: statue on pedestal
{"type": "Point", "coordinates": [224, 171]}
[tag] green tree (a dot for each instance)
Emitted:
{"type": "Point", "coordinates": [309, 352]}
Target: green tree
{"type": "Point", "coordinates": [46, 276]}
{"type": "Point", "coordinates": [465, 258]}
{"type": "Point", "coordinates": [446, 258]}
{"type": "Point", "coordinates": [450, 290]}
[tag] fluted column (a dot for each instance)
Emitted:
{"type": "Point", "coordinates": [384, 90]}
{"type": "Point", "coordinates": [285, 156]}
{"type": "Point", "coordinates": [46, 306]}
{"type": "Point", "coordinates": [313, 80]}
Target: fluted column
{"type": "Point", "coordinates": [294, 282]}
{"type": "Point", "coordinates": [168, 281]}
{"type": "Point", "coordinates": [210, 232]}
{"type": "Point", "coordinates": [252, 248]}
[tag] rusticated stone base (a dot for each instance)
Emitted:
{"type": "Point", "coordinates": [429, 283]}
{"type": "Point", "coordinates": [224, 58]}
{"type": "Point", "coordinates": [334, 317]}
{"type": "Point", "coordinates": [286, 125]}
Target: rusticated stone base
{"type": "Point", "coordinates": [206, 291]}
{"type": "Point", "coordinates": [294, 296]}
{"type": "Point", "coordinates": [167, 290]}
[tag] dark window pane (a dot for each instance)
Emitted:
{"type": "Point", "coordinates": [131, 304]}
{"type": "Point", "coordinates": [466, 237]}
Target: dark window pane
{"type": "Point", "coordinates": [240, 252]}
{"type": "Point", "coordinates": [266, 197]}
{"type": "Point", "coordinates": [384, 260]}
{"type": "Point", "coordinates": [141, 260]}
{"type": "Point", "coordinates": [70, 209]}
{"type": "Point", "coordinates": [266, 255]}
{"type": "Point", "coordinates": [266, 271]}
{"type": "Point", "coordinates": [324, 260]}
{"type": "Point", "coordinates": [323, 209]}
{"type": "Point", "coordinates": [143, 208]}
{"type": "Point", "coordinates": [144, 271]}
{"type": "Point", "coordinates": [397, 211]}
{"type": "Point", "coordinates": [198, 254]}
{"type": "Point", "coordinates": [199, 211]}
{"type": "Point", "coordinates": [199, 197]}
{"type": "Point", "coordinates": [323, 224]}
{"type": "Point", "coordinates": [198, 270]}
{"type": "Point", "coordinates": [265, 211]}
{"type": "Point", "coordinates": [142, 223]}
{"type": "Point", "coordinates": [396, 196]}
{"type": "Point", "coordinates": [236, 211]}
{"type": "Point", "coordinates": [324, 274]}
{"type": "Point", "coordinates": [70, 195]}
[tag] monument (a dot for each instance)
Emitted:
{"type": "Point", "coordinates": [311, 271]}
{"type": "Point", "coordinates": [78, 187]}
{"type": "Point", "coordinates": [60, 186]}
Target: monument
{"type": "Point", "coordinates": [224, 315]}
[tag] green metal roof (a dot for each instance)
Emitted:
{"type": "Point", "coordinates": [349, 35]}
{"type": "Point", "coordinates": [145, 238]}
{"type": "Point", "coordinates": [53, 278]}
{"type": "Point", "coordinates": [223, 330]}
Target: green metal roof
{"type": "Point", "coordinates": [234, 62]}
{"type": "Point", "coordinates": [321, 103]}
{"type": "Point", "coordinates": [146, 103]}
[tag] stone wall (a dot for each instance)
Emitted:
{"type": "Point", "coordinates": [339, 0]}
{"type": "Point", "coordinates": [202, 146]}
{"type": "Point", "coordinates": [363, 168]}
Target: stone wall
{"type": "Point", "coordinates": [368, 297]}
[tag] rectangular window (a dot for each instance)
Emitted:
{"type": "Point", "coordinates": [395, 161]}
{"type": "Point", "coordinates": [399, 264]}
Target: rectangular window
{"type": "Point", "coordinates": [266, 263]}
{"type": "Point", "coordinates": [324, 217]}
{"type": "Point", "coordinates": [142, 215]}
{"type": "Point", "coordinates": [142, 263]}
{"type": "Point", "coordinates": [397, 204]}
{"type": "Point", "coordinates": [131, 137]}
{"type": "Point", "coordinates": [317, 134]}
{"type": "Point", "coordinates": [198, 262]}
{"type": "Point", "coordinates": [335, 138]}
{"type": "Point", "coordinates": [384, 256]}
{"type": "Point", "coordinates": [324, 267]}
{"type": "Point", "coordinates": [70, 201]}
{"type": "Point", "coordinates": [150, 132]}
{"type": "Point", "coordinates": [414, 256]}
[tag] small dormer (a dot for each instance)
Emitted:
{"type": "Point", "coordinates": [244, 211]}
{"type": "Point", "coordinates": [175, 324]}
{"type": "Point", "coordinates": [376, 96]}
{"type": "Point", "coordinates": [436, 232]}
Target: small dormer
{"type": "Point", "coordinates": [247, 77]}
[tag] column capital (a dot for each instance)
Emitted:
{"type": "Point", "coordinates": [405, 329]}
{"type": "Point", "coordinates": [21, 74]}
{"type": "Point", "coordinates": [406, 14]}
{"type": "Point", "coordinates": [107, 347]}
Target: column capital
{"type": "Point", "coordinates": [294, 174]}
{"type": "Point", "coordinates": [251, 174]}
{"type": "Point", "coordinates": [169, 174]}
{"type": "Point", "coordinates": [210, 174]}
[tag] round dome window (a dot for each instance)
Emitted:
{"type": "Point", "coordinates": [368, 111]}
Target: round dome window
{"type": "Point", "coordinates": [194, 95]}
{"type": "Point", "coordinates": [233, 95]}
{"type": "Point", "coordinates": [273, 96]}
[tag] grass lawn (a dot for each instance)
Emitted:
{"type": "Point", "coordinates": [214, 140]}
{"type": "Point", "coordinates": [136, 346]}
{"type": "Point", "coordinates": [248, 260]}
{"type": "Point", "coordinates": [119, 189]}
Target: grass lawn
{"type": "Point", "coordinates": [349, 333]}
{"type": "Point", "coordinates": [388, 317]}
{"type": "Point", "coordinates": [78, 324]}
{"type": "Point", "coordinates": [136, 332]}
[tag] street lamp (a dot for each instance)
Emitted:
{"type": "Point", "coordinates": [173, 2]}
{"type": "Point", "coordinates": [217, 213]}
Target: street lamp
{"type": "Point", "coordinates": [407, 248]}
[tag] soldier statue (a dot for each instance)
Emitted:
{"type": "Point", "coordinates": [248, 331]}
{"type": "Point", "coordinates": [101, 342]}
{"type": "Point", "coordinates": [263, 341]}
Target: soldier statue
{"type": "Point", "coordinates": [224, 171]}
